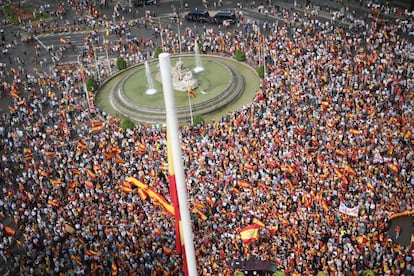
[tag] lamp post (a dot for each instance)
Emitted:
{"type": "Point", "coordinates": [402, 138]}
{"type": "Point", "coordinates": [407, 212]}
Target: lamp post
{"type": "Point", "coordinates": [85, 89]}
{"type": "Point", "coordinates": [179, 33]}
{"type": "Point", "coordinates": [107, 57]}
{"type": "Point", "coordinates": [189, 103]}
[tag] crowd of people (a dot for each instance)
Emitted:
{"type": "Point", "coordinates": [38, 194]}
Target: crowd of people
{"type": "Point", "coordinates": [330, 127]}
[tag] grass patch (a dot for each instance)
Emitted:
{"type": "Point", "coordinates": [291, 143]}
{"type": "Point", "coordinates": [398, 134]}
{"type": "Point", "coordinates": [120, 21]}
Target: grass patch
{"type": "Point", "coordinates": [17, 15]}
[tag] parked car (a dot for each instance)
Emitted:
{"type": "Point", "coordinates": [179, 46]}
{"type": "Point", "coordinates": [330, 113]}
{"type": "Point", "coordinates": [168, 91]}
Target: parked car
{"type": "Point", "coordinates": [198, 15]}
{"type": "Point", "coordinates": [142, 3]}
{"type": "Point", "coordinates": [228, 17]}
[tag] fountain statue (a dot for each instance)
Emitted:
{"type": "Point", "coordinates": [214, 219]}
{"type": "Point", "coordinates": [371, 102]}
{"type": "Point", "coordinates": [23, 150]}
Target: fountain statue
{"type": "Point", "coordinates": [182, 77]}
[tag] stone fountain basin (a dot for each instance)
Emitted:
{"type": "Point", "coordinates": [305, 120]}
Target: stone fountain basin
{"type": "Point", "coordinates": [222, 84]}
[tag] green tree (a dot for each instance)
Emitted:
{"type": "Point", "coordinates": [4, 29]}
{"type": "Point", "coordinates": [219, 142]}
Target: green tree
{"type": "Point", "coordinates": [91, 84]}
{"type": "Point", "coordinates": [322, 273]}
{"type": "Point", "coordinates": [279, 273]}
{"type": "Point", "coordinates": [260, 71]}
{"type": "Point", "coordinates": [198, 119]}
{"type": "Point", "coordinates": [368, 273]}
{"type": "Point", "coordinates": [239, 55]}
{"type": "Point", "coordinates": [121, 63]}
{"type": "Point", "coordinates": [157, 51]}
{"type": "Point", "coordinates": [238, 273]}
{"type": "Point", "coordinates": [126, 123]}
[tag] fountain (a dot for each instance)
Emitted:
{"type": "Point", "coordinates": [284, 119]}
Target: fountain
{"type": "Point", "coordinates": [150, 90]}
{"type": "Point", "coordinates": [229, 84]}
{"type": "Point", "coordinates": [199, 68]}
{"type": "Point", "coordinates": [182, 77]}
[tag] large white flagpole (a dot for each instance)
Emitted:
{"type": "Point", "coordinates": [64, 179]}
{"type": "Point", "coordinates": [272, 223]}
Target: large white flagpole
{"type": "Point", "coordinates": [165, 69]}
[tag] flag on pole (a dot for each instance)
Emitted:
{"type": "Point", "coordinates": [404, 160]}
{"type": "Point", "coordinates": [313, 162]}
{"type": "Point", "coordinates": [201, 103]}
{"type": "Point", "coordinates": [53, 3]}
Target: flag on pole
{"type": "Point", "coordinates": [192, 93]}
{"type": "Point", "coordinates": [189, 260]}
{"type": "Point", "coordinates": [174, 196]}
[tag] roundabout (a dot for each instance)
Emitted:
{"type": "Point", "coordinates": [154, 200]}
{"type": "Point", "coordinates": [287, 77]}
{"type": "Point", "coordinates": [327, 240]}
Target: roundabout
{"type": "Point", "coordinates": [223, 85]}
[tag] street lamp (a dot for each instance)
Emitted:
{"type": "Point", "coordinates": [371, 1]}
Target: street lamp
{"type": "Point", "coordinates": [85, 89]}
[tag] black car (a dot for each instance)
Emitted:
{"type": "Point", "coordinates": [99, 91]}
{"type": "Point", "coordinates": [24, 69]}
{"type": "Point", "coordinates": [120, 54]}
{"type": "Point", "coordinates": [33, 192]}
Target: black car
{"type": "Point", "coordinates": [198, 15]}
{"type": "Point", "coordinates": [142, 3]}
{"type": "Point", "coordinates": [221, 17]}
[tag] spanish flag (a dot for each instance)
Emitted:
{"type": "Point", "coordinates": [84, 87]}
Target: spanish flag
{"type": "Point", "coordinates": [273, 229]}
{"type": "Point", "coordinates": [54, 203]}
{"type": "Point", "coordinates": [179, 242]}
{"type": "Point", "coordinates": [90, 173]}
{"type": "Point", "coordinates": [249, 233]}
{"type": "Point", "coordinates": [159, 199]}
{"type": "Point", "coordinates": [192, 93]}
{"type": "Point", "coordinates": [89, 184]}
{"type": "Point", "coordinates": [142, 149]}
{"type": "Point", "coordinates": [243, 184]}
{"type": "Point", "coordinates": [10, 231]}
{"type": "Point", "coordinates": [355, 131]}
{"type": "Point", "coordinates": [90, 252]}
{"type": "Point", "coordinates": [114, 268]}
{"type": "Point", "coordinates": [348, 169]}
{"type": "Point", "coordinates": [126, 189]}
{"type": "Point", "coordinates": [56, 182]}
{"type": "Point", "coordinates": [49, 154]}
{"type": "Point", "coordinates": [142, 194]}
{"type": "Point", "coordinates": [201, 214]}
{"type": "Point", "coordinates": [97, 128]}
{"type": "Point", "coordinates": [82, 144]}
{"type": "Point", "coordinates": [258, 222]}
{"type": "Point", "coordinates": [393, 167]}
{"type": "Point", "coordinates": [76, 259]}
{"type": "Point", "coordinates": [133, 181]}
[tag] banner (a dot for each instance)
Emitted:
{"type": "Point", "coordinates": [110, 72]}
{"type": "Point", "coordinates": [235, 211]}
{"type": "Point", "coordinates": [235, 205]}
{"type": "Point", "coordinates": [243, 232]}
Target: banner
{"type": "Point", "coordinates": [353, 212]}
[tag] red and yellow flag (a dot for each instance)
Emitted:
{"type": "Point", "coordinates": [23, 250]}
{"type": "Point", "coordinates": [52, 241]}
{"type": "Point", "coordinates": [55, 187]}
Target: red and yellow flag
{"type": "Point", "coordinates": [258, 222]}
{"type": "Point", "coordinates": [10, 231]}
{"type": "Point", "coordinates": [174, 196]}
{"type": "Point", "coordinates": [192, 93]}
{"type": "Point", "coordinates": [249, 233]}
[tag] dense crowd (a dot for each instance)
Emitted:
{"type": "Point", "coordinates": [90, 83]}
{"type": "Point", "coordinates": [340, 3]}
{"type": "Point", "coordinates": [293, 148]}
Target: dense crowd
{"type": "Point", "coordinates": [332, 124]}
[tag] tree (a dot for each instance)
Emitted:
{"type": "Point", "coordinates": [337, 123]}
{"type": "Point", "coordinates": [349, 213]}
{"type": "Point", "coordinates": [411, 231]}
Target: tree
{"type": "Point", "coordinates": [368, 273]}
{"type": "Point", "coordinates": [239, 55]}
{"type": "Point", "coordinates": [279, 273]}
{"type": "Point", "coordinates": [126, 123]}
{"type": "Point", "coordinates": [121, 64]}
{"type": "Point", "coordinates": [157, 51]}
{"type": "Point", "coordinates": [91, 84]}
{"type": "Point", "coordinates": [260, 71]}
{"type": "Point", "coordinates": [198, 119]}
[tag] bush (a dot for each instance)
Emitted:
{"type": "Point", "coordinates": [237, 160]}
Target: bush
{"type": "Point", "coordinates": [198, 119]}
{"type": "Point", "coordinates": [260, 71]}
{"type": "Point", "coordinates": [157, 52]}
{"type": "Point", "coordinates": [126, 123]}
{"type": "Point", "coordinates": [121, 64]}
{"type": "Point", "coordinates": [239, 55]}
{"type": "Point", "coordinates": [91, 84]}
